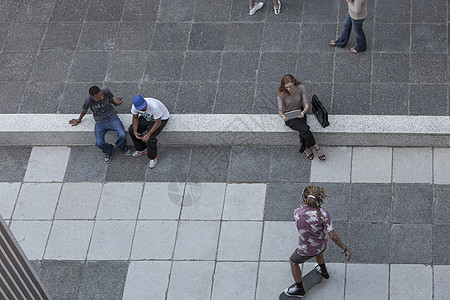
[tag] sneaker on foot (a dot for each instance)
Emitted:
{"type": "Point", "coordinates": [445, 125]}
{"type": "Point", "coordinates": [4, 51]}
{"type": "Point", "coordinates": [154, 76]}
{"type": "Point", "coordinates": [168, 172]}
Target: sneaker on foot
{"type": "Point", "coordinates": [108, 157]}
{"type": "Point", "coordinates": [277, 10]}
{"type": "Point", "coordinates": [256, 8]}
{"type": "Point", "coordinates": [324, 275]}
{"type": "Point", "coordinates": [126, 150]}
{"type": "Point", "coordinates": [139, 153]}
{"type": "Point", "coordinates": [153, 163]}
{"type": "Point", "coordinates": [294, 291]}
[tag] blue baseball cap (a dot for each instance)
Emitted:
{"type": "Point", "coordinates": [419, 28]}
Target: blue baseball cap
{"type": "Point", "coordinates": [139, 102]}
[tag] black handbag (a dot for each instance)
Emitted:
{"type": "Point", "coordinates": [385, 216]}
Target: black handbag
{"type": "Point", "coordinates": [320, 111]}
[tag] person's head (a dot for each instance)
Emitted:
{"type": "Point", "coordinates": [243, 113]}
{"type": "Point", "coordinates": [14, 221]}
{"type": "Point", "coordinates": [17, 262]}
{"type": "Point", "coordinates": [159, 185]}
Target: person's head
{"type": "Point", "coordinates": [313, 196]}
{"type": "Point", "coordinates": [96, 93]}
{"type": "Point", "coordinates": [139, 102]}
{"type": "Point", "coordinates": [288, 84]}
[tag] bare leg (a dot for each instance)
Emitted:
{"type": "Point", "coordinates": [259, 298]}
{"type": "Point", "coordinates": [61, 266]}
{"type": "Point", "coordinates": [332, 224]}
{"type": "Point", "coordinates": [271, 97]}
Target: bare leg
{"type": "Point", "coordinates": [320, 259]}
{"type": "Point", "coordinates": [296, 272]}
{"type": "Point", "coordinates": [308, 152]}
{"type": "Point", "coordinates": [251, 3]}
{"type": "Point", "coordinates": [317, 148]}
{"type": "Point", "coordinates": [275, 3]}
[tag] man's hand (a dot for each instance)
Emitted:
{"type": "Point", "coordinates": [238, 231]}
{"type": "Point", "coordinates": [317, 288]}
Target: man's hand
{"type": "Point", "coordinates": [118, 101]}
{"type": "Point", "coordinates": [74, 122]}
{"type": "Point", "coordinates": [300, 115]}
{"type": "Point", "coordinates": [145, 138]}
{"type": "Point", "coordinates": [285, 118]}
{"type": "Point", "coordinates": [137, 135]}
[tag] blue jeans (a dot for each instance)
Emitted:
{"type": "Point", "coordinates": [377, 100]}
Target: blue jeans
{"type": "Point", "coordinates": [114, 124]}
{"type": "Point", "coordinates": [360, 36]}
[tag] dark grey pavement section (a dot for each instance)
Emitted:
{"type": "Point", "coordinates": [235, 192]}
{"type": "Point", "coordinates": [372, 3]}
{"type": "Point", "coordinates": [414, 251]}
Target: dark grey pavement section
{"type": "Point", "coordinates": [212, 57]}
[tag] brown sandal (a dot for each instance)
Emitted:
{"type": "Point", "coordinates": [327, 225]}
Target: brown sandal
{"type": "Point", "coordinates": [311, 156]}
{"type": "Point", "coordinates": [321, 157]}
{"type": "Point", "coordinates": [353, 50]}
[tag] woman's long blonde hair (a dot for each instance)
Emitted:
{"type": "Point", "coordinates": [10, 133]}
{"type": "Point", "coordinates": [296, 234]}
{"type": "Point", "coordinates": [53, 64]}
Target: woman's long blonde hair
{"type": "Point", "coordinates": [313, 196]}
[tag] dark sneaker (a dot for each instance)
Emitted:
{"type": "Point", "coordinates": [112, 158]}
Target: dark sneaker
{"type": "Point", "coordinates": [125, 150]}
{"type": "Point", "coordinates": [324, 275]}
{"type": "Point", "coordinates": [108, 157]}
{"type": "Point", "coordinates": [294, 291]}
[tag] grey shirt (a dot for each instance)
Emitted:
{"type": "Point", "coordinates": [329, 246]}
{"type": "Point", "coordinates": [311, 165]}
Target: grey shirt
{"type": "Point", "coordinates": [103, 109]}
{"type": "Point", "coordinates": [294, 101]}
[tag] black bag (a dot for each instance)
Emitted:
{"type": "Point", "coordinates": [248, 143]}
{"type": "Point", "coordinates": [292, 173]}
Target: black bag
{"type": "Point", "coordinates": [320, 111]}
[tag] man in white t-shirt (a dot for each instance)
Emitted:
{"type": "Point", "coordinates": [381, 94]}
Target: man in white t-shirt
{"type": "Point", "coordinates": [149, 118]}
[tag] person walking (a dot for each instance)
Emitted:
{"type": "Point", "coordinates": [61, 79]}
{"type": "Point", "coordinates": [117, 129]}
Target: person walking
{"type": "Point", "coordinates": [102, 103]}
{"type": "Point", "coordinates": [254, 7]}
{"type": "Point", "coordinates": [357, 12]}
{"type": "Point", "coordinates": [292, 96]}
{"type": "Point", "coordinates": [313, 223]}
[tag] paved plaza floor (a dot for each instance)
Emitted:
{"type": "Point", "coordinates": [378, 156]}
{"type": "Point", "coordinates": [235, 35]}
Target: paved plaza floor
{"type": "Point", "coordinates": [217, 222]}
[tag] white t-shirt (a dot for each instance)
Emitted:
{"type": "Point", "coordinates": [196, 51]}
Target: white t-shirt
{"type": "Point", "coordinates": [155, 110]}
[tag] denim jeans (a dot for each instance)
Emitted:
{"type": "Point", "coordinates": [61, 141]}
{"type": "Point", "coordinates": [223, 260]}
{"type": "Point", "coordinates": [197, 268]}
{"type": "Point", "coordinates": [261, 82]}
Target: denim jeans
{"type": "Point", "coordinates": [114, 124]}
{"type": "Point", "coordinates": [359, 32]}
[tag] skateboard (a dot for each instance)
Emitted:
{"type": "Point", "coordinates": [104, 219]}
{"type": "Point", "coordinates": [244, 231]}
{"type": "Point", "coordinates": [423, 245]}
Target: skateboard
{"type": "Point", "coordinates": [309, 280]}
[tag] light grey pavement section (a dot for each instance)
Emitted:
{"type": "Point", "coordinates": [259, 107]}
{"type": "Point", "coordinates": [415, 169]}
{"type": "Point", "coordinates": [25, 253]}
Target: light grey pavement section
{"type": "Point", "coordinates": [372, 164]}
{"type": "Point", "coordinates": [404, 281]}
{"type": "Point", "coordinates": [120, 200]}
{"type": "Point", "coordinates": [37, 201]}
{"type": "Point", "coordinates": [441, 286]}
{"type": "Point", "coordinates": [234, 280]}
{"type": "Point", "coordinates": [240, 129]}
{"type": "Point", "coordinates": [441, 165]}
{"type": "Point", "coordinates": [328, 289]}
{"type": "Point", "coordinates": [8, 199]}
{"type": "Point", "coordinates": [412, 165]}
{"type": "Point", "coordinates": [336, 168]}
{"type": "Point", "coordinates": [47, 164]}
{"type": "Point", "coordinates": [365, 281]}
{"type": "Point", "coordinates": [280, 239]}
{"type": "Point", "coordinates": [166, 205]}
{"type": "Point", "coordinates": [244, 201]}
{"type": "Point", "coordinates": [78, 200]}
{"type": "Point", "coordinates": [32, 236]}
{"type": "Point", "coordinates": [235, 234]}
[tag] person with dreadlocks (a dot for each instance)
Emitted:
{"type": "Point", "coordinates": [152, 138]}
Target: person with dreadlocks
{"type": "Point", "coordinates": [313, 222]}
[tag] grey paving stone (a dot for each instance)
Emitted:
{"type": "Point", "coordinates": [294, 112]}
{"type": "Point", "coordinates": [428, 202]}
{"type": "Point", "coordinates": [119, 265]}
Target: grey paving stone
{"type": "Point", "coordinates": [390, 67]}
{"type": "Point", "coordinates": [140, 10]}
{"type": "Point", "coordinates": [234, 234]}
{"type": "Point", "coordinates": [163, 66]}
{"type": "Point", "coordinates": [126, 90]}
{"type": "Point", "coordinates": [197, 240]}
{"type": "Point", "coordinates": [8, 9]}
{"type": "Point", "coordinates": [376, 159]}
{"type": "Point", "coordinates": [4, 28]}
{"type": "Point", "coordinates": [440, 275]}
{"type": "Point", "coordinates": [11, 96]}
{"type": "Point", "coordinates": [412, 165]}
{"type": "Point", "coordinates": [164, 207]}
{"type": "Point", "coordinates": [346, 94]}
{"type": "Point", "coordinates": [34, 11]}
{"type": "Point", "coordinates": [203, 201]}
{"type": "Point", "coordinates": [74, 94]}
{"type": "Point", "coordinates": [243, 37]}
{"type": "Point", "coordinates": [392, 12]}
{"type": "Point", "coordinates": [120, 200]}
{"type": "Point", "coordinates": [426, 68]}
{"type": "Point", "coordinates": [207, 36]}
{"type": "Point", "coordinates": [16, 66]}
{"type": "Point", "coordinates": [85, 158]}
{"type": "Point", "coordinates": [36, 265]}
{"type": "Point", "coordinates": [89, 66]}
{"type": "Point", "coordinates": [32, 236]}
{"type": "Point", "coordinates": [244, 202]}
{"type": "Point", "coordinates": [441, 251]}
{"type": "Point", "coordinates": [173, 163]}
{"type": "Point", "coordinates": [98, 35]}
{"type": "Point", "coordinates": [229, 277]}
{"type": "Point", "coordinates": [8, 200]}
{"type": "Point", "coordinates": [291, 11]}
{"type": "Point", "coordinates": [273, 40]}
{"type": "Point", "coordinates": [314, 37]}
{"type": "Point", "coordinates": [429, 38]}
{"type": "Point", "coordinates": [367, 281]}
{"type": "Point", "coordinates": [407, 248]}
{"type": "Point", "coordinates": [273, 66]}
{"type": "Point", "coordinates": [266, 98]}
{"type": "Point", "coordinates": [352, 69]}
{"type": "Point", "coordinates": [62, 279]}
{"type": "Point", "coordinates": [401, 276]}
{"type": "Point", "coordinates": [370, 203]}
{"type": "Point", "coordinates": [281, 201]}
{"type": "Point", "coordinates": [337, 169]}
{"type": "Point", "coordinates": [390, 99]}
{"type": "Point", "coordinates": [272, 278]}
{"type": "Point", "coordinates": [166, 92]}
{"type": "Point", "coordinates": [337, 200]}
{"type": "Point", "coordinates": [126, 168]}
{"type": "Point", "coordinates": [212, 11]}
{"type": "Point", "coordinates": [279, 240]}
{"type": "Point", "coordinates": [249, 164]}
{"type": "Point", "coordinates": [441, 165]}
{"type": "Point", "coordinates": [240, 67]}
{"type": "Point", "coordinates": [234, 98]}
{"type": "Point", "coordinates": [288, 165]}
{"type": "Point", "coordinates": [47, 94]}
{"type": "Point", "coordinates": [108, 10]}
{"type": "Point", "coordinates": [316, 67]}
{"type": "Point", "coordinates": [412, 203]}
{"type": "Point", "coordinates": [51, 66]}
{"type": "Point", "coordinates": [439, 94]}
{"type": "Point", "coordinates": [134, 36]}
{"type": "Point", "coordinates": [103, 280]}
{"type": "Point", "coordinates": [333, 253]}
{"type": "Point", "coordinates": [320, 12]}
{"type": "Point", "coordinates": [391, 38]}
{"type": "Point", "coordinates": [69, 11]}
{"type": "Point", "coordinates": [37, 201]}
{"type": "Point", "coordinates": [422, 13]}
{"type": "Point", "coordinates": [196, 97]}
{"type": "Point", "coordinates": [154, 240]}
{"type": "Point", "coordinates": [61, 36]}
{"type": "Point", "coordinates": [79, 200]}
{"type": "Point", "coordinates": [126, 66]}
{"type": "Point", "coordinates": [171, 36]}
{"type": "Point", "coordinates": [369, 250]}
{"type": "Point", "coordinates": [442, 204]}
{"type": "Point", "coordinates": [24, 37]}
{"type": "Point", "coordinates": [13, 163]}
{"type": "Point", "coordinates": [323, 91]}
{"type": "Point", "coordinates": [176, 11]}
{"type": "Point", "coordinates": [240, 9]}
{"type": "Point", "coordinates": [209, 164]}
{"type": "Point", "coordinates": [191, 280]}
{"type": "Point", "coordinates": [201, 66]}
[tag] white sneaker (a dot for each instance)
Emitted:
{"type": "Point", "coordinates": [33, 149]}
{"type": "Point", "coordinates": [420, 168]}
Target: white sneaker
{"type": "Point", "coordinates": [139, 153]}
{"type": "Point", "coordinates": [277, 10]}
{"type": "Point", "coordinates": [153, 163]}
{"type": "Point", "coordinates": [255, 8]}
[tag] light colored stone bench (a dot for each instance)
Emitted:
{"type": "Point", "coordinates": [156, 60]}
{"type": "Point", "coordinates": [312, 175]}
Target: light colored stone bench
{"type": "Point", "coordinates": [238, 129]}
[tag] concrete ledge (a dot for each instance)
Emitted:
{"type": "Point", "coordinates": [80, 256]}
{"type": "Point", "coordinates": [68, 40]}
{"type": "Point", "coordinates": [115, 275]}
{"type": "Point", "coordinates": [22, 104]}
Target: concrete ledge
{"type": "Point", "coordinates": [238, 129]}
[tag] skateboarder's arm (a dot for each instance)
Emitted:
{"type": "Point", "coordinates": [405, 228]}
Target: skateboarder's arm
{"type": "Point", "coordinates": [75, 122]}
{"type": "Point", "coordinates": [337, 240]}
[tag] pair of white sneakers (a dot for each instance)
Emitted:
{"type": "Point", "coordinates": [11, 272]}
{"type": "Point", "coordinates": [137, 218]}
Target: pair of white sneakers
{"type": "Point", "coordinates": [153, 162]}
{"type": "Point", "coordinates": [259, 5]}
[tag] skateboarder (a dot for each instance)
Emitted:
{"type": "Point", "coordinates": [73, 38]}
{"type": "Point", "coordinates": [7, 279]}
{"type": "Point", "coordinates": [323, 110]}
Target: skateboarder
{"type": "Point", "coordinates": [312, 221]}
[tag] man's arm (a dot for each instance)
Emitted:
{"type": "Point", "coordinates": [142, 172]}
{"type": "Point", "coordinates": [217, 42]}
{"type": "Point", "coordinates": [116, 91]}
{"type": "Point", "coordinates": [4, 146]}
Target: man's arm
{"type": "Point", "coordinates": [337, 240]}
{"type": "Point", "coordinates": [75, 122]}
{"type": "Point", "coordinates": [153, 129]}
{"type": "Point", "coordinates": [135, 123]}
{"type": "Point", "coordinates": [116, 102]}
